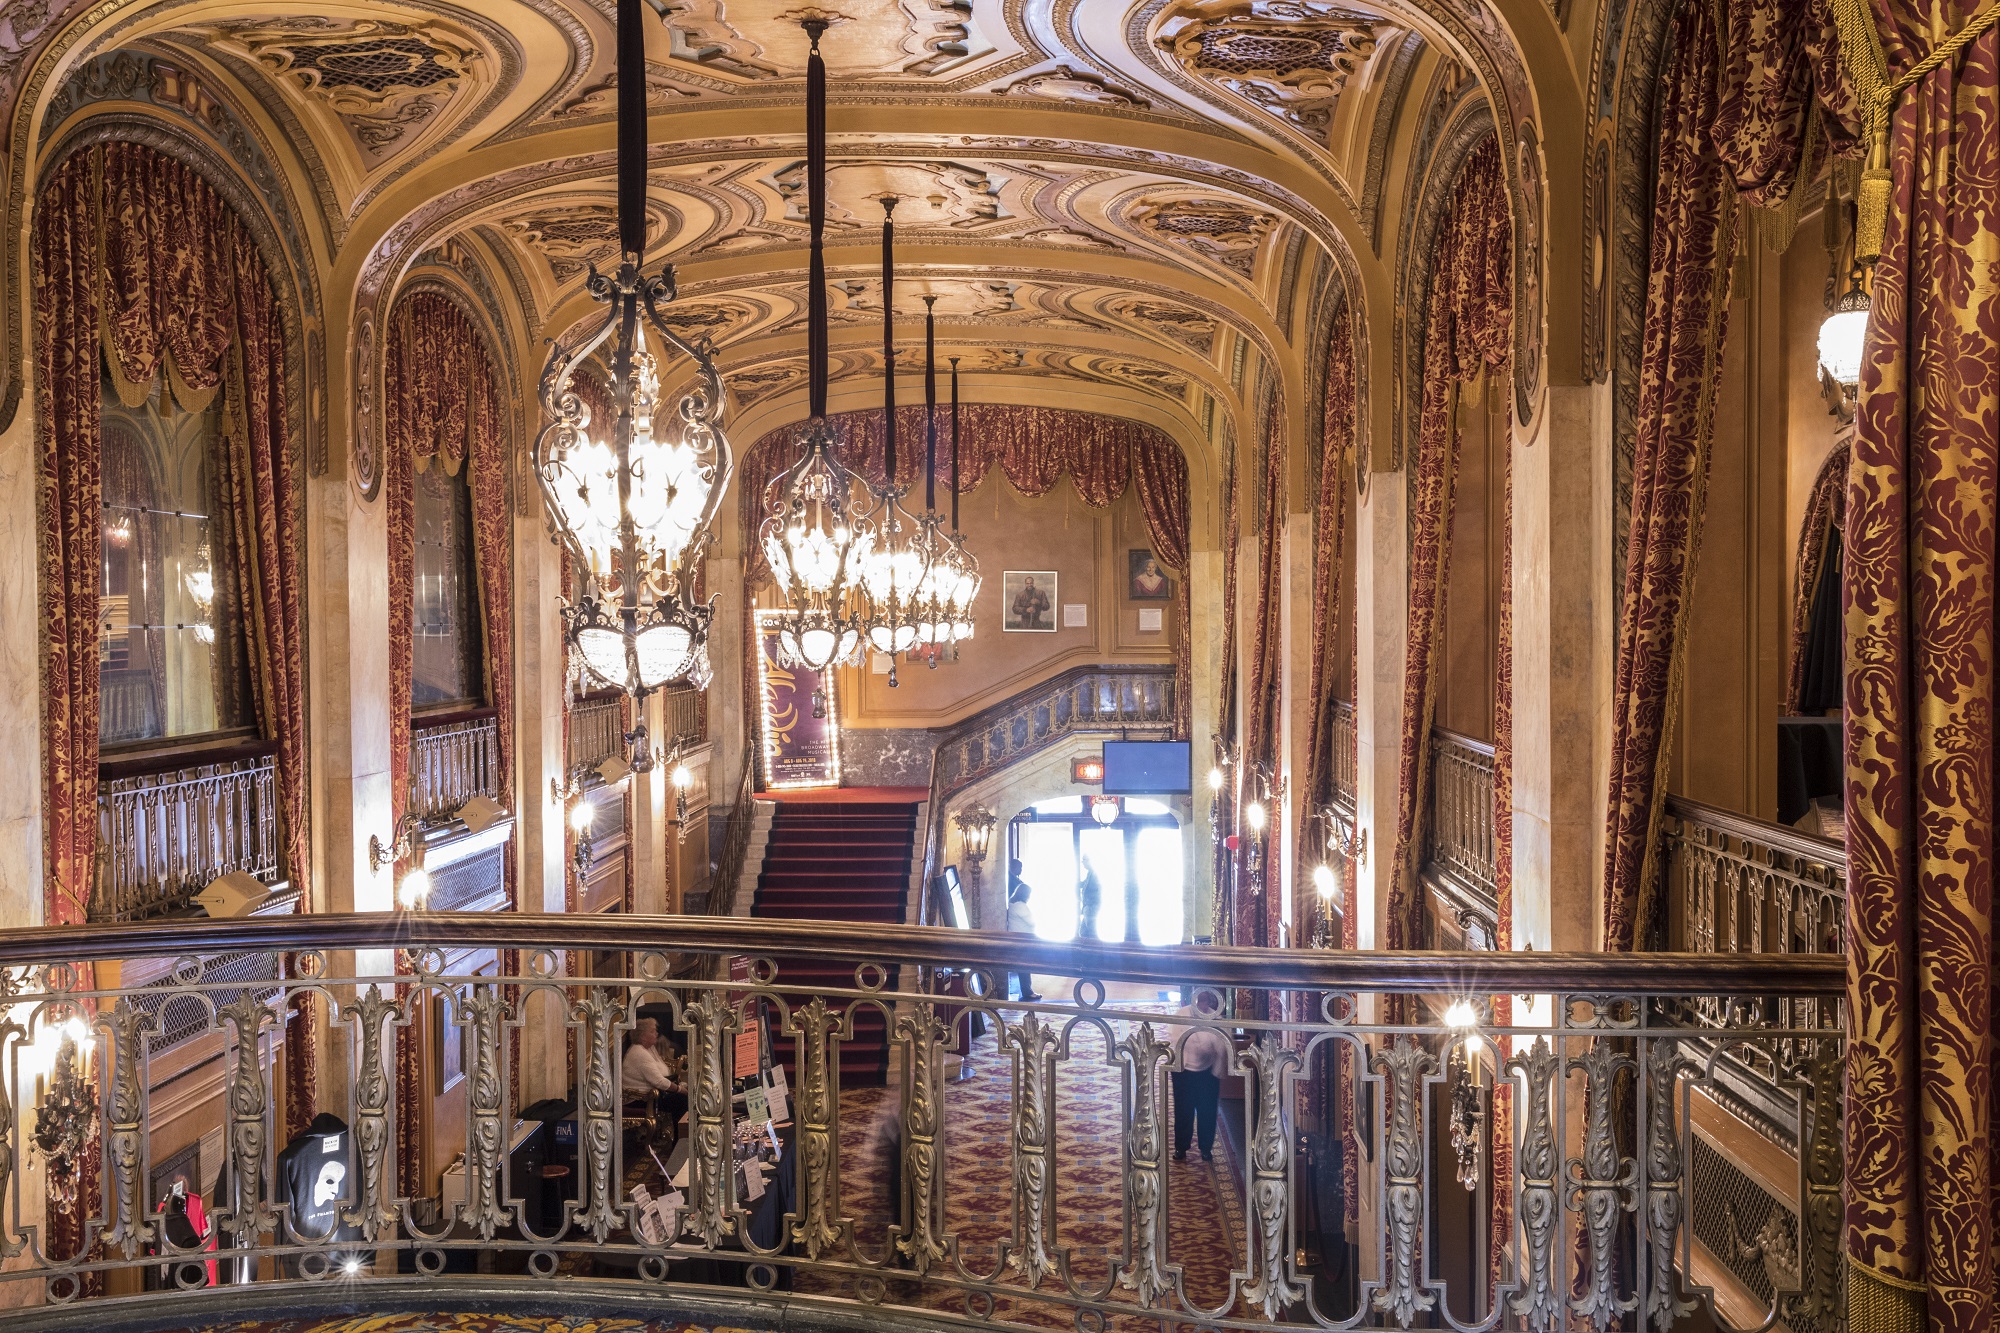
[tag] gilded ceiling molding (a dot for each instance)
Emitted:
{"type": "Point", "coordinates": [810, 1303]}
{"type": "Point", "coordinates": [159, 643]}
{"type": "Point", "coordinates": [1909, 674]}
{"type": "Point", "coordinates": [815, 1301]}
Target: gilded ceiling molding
{"type": "Point", "coordinates": [1222, 232]}
{"type": "Point", "coordinates": [294, 287]}
{"type": "Point", "coordinates": [1292, 58]}
{"type": "Point", "coordinates": [1064, 84]}
{"type": "Point", "coordinates": [575, 234]}
{"type": "Point", "coordinates": [503, 254]}
{"type": "Point", "coordinates": [163, 106]}
{"type": "Point", "coordinates": [1388, 110]}
{"type": "Point", "coordinates": [599, 100]}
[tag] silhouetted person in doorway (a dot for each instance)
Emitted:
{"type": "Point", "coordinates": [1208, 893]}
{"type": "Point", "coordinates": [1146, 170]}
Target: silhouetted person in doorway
{"type": "Point", "coordinates": [1089, 903]}
{"type": "Point", "coordinates": [1021, 919]}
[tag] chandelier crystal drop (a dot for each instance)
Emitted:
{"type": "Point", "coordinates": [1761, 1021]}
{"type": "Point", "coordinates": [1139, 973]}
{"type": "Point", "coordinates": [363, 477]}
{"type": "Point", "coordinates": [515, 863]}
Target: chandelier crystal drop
{"type": "Point", "coordinates": [817, 533]}
{"type": "Point", "coordinates": [633, 498]}
{"type": "Point", "coordinates": [952, 582]}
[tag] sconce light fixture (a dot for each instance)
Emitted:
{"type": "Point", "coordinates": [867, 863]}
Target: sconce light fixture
{"type": "Point", "coordinates": [1106, 809]}
{"type": "Point", "coordinates": [66, 1123]}
{"type": "Point", "coordinates": [1342, 836]}
{"type": "Point", "coordinates": [682, 778]}
{"type": "Point", "coordinates": [414, 890]}
{"type": "Point", "coordinates": [1264, 796]}
{"type": "Point", "coordinates": [975, 830]}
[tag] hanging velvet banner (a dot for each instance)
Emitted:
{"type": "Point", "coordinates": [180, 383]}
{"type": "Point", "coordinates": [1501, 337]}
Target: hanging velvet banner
{"type": "Point", "coordinates": [1467, 327]}
{"type": "Point", "coordinates": [1922, 1195]}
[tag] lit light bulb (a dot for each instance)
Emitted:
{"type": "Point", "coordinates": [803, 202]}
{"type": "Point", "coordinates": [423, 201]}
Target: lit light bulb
{"type": "Point", "coordinates": [351, 1267]}
{"type": "Point", "coordinates": [1253, 814]}
{"type": "Point", "coordinates": [415, 889]}
{"type": "Point", "coordinates": [1215, 779]}
{"type": "Point", "coordinates": [1323, 880]}
{"type": "Point", "coordinates": [1842, 340]}
{"type": "Point", "coordinates": [1459, 1015]}
{"type": "Point", "coordinates": [683, 777]}
{"type": "Point", "coordinates": [582, 815]}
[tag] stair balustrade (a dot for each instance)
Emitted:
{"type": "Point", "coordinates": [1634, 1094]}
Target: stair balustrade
{"type": "Point", "coordinates": [163, 836]}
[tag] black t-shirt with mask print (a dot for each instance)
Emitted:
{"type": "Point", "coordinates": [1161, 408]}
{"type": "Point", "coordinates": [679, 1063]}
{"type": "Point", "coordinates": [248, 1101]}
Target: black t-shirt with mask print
{"type": "Point", "coordinates": [316, 1176]}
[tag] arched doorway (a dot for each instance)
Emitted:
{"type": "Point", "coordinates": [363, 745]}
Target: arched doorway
{"type": "Point", "coordinates": [1134, 853]}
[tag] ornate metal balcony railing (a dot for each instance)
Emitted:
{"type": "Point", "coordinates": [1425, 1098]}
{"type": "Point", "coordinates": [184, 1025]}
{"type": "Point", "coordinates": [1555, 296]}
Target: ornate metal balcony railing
{"type": "Point", "coordinates": [452, 760]}
{"type": "Point", "coordinates": [596, 731]}
{"type": "Point", "coordinates": [1750, 887]}
{"type": "Point", "coordinates": [164, 836]}
{"type": "Point", "coordinates": [683, 715]}
{"type": "Point", "coordinates": [1458, 839]}
{"type": "Point", "coordinates": [1343, 757]}
{"type": "Point", "coordinates": [1019, 1170]}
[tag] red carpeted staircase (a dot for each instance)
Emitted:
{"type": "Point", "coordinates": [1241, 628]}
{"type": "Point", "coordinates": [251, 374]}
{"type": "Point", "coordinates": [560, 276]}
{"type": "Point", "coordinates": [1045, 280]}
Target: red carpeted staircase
{"type": "Point", "coordinates": [844, 860]}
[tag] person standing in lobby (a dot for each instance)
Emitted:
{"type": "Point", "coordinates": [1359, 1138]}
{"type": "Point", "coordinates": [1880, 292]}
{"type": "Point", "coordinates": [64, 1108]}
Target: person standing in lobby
{"type": "Point", "coordinates": [1020, 919]}
{"type": "Point", "coordinates": [1205, 1054]}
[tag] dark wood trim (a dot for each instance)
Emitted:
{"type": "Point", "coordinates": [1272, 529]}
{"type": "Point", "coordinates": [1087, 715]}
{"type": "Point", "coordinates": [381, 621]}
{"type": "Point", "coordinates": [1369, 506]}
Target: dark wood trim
{"type": "Point", "coordinates": [172, 761]}
{"type": "Point", "coordinates": [447, 716]}
{"type": "Point", "coordinates": [1301, 969]}
{"type": "Point", "coordinates": [1777, 837]}
{"type": "Point", "coordinates": [1463, 741]}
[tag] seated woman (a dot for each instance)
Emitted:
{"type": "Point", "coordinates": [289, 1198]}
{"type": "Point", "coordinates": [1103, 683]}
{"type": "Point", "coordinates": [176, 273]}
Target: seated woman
{"type": "Point", "coordinates": [644, 1076]}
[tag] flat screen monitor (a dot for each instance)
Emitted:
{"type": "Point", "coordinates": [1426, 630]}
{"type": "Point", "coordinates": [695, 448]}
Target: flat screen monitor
{"type": "Point", "coordinates": [1146, 768]}
{"type": "Point", "coordinates": [950, 899]}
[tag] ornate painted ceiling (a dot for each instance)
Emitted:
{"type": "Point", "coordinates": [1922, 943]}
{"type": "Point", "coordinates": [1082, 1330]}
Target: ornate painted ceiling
{"type": "Point", "coordinates": [1152, 199]}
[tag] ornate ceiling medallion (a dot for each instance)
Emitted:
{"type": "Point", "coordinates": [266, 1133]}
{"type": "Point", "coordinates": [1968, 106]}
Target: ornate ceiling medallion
{"type": "Point", "coordinates": [867, 39]}
{"type": "Point", "coordinates": [1064, 84]}
{"type": "Point", "coordinates": [1291, 57]}
{"type": "Point", "coordinates": [1221, 231]}
{"type": "Point", "coordinates": [572, 235]}
{"type": "Point", "coordinates": [383, 80]}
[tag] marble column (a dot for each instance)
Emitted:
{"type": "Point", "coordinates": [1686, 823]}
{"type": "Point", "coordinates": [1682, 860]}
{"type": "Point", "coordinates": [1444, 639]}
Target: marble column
{"type": "Point", "coordinates": [541, 818]}
{"type": "Point", "coordinates": [1204, 579]}
{"type": "Point", "coordinates": [1564, 618]}
{"type": "Point", "coordinates": [1381, 594]}
{"type": "Point", "coordinates": [1295, 714]}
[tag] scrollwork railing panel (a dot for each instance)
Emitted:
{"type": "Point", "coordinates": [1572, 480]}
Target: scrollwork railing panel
{"type": "Point", "coordinates": [1025, 1161]}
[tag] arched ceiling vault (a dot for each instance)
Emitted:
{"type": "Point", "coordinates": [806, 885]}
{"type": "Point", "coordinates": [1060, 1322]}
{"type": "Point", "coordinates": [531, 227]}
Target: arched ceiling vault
{"type": "Point", "coordinates": [1141, 201]}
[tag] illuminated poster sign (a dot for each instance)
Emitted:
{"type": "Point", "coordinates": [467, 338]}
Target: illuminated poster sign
{"type": "Point", "coordinates": [800, 750]}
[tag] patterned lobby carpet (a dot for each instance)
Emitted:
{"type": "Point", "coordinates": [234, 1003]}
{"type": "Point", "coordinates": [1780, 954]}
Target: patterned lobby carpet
{"type": "Point", "coordinates": [463, 1323]}
{"type": "Point", "coordinates": [1205, 1218]}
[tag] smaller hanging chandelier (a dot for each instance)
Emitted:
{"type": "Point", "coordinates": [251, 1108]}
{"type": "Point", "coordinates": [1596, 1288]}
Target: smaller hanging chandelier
{"type": "Point", "coordinates": [945, 600]}
{"type": "Point", "coordinates": [634, 507]}
{"type": "Point", "coordinates": [894, 569]}
{"type": "Point", "coordinates": [816, 533]}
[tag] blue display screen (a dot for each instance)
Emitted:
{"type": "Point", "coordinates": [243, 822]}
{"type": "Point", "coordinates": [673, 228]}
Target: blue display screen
{"type": "Point", "coordinates": [1146, 768]}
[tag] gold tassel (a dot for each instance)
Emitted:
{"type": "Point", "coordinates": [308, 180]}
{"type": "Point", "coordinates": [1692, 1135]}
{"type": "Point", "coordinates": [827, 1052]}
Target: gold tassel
{"type": "Point", "coordinates": [1871, 198]}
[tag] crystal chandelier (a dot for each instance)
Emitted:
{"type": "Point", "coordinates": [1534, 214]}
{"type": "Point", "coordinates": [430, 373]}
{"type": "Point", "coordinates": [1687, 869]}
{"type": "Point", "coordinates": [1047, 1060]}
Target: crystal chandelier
{"type": "Point", "coordinates": [816, 534]}
{"type": "Point", "coordinates": [945, 599]}
{"type": "Point", "coordinates": [893, 572]}
{"type": "Point", "coordinates": [634, 502]}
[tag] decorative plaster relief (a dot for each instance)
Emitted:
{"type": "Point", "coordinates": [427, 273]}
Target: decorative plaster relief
{"type": "Point", "coordinates": [1064, 84]}
{"type": "Point", "coordinates": [760, 39]}
{"type": "Point", "coordinates": [601, 98]}
{"type": "Point", "coordinates": [1184, 325]}
{"type": "Point", "coordinates": [1221, 231]}
{"type": "Point", "coordinates": [1291, 57]}
{"type": "Point", "coordinates": [932, 194]}
{"type": "Point", "coordinates": [383, 80]}
{"type": "Point", "coordinates": [965, 298]}
{"type": "Point", "coordinates": [571, 235]}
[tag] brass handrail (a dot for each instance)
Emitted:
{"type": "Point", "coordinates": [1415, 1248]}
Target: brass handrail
{"type": "Point", "coordinates": [1271, 969]}
{"type": "Point", "coordinates": [1777, 837]}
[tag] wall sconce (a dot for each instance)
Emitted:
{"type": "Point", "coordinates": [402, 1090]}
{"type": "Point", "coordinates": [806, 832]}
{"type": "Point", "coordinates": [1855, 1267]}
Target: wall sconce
{"type": "Point", "coordinates": [682, 778]}
{"type": "Point", "coordinates": [1106, 809]}
{"type": "Point", "coordinates": [1264, 798]}
{"type": "Point", "coordinates": [66, 1123]}
{"type": "Point", "coordinates": [975, 831]}
{"type": "Point", "coordinates": [1218, 786]}
{"type": "Point", "coordinates": [1843, 336]}
{"type": "Point", "coordinates": [415, 889]}
{"type": "Point", "coordinates": [1341, 836]}
{"type": "Point", "coordinates": [571, 791]}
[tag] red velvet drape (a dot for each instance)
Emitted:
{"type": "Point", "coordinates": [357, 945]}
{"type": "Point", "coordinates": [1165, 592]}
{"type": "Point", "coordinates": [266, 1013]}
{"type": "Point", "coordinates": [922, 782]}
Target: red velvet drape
{"type": "Point", "coordinates": [1918, 574]}
{"type": "Point", "coordinates": [1467, 327]}
{"type": "Point", "coordinates": [1733, 125]}
{"type": "Point", "coordinates": [142, 267]}
{"type": "Point", "coordinates": [1259, 918]}
{"type": "Point", "coordinates": [1033, 447]}
{"type": "Point", "coordinates": [441, 408]}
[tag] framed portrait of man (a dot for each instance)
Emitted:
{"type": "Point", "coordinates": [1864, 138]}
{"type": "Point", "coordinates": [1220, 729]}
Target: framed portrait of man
{"type": "Point", "coordinates": [1028, 601]}
{"type": "Point", "coordinates": [1145, 580]}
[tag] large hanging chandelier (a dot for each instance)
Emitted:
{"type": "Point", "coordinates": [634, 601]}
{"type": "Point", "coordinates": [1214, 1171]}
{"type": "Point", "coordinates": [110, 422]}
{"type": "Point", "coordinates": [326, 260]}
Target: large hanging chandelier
{"type": "Point", "coordinates": [632, 501]}
{"type": "Point", "coordinates": [816, 534]}
{"type": "Point", "coordinates": [945, 600]}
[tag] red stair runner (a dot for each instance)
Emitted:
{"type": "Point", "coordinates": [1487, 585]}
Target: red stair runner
{"type": "Point", "coordinates": [838, 860]}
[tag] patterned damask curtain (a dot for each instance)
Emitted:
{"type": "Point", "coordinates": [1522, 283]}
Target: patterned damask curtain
{"type": "Point", "coordinates": [1742, 111]}
{"type": "Point", "coordinates": [1034, 447]}
{"type": "Point", "coordinates": [1468, 322]}
{"type": "Point", "coordinates": [1922, 1191]}
{"type": "Point", "coordinates": [1337, 426]}
{"type": "Point", "coordinates": [142, 268]}
{"type": "Point", "coordinates": [1259, 920]}
{"type": "Point", "coordinates": [441, 409]}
